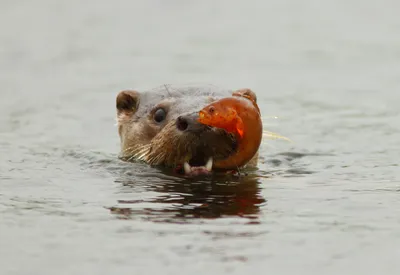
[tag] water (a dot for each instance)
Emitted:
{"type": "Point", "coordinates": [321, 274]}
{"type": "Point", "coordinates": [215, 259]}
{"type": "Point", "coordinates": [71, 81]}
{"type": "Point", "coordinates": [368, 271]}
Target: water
{"type": "Point", "coordinates": [326, 203]}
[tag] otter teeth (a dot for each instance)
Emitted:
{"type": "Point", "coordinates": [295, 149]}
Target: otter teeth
{"type": "Point", "coordinates": [198, 169]}
{"type": "Point", "coordinates": [209, 164]}
{"type": "Point", "coordinates": [187, 167]}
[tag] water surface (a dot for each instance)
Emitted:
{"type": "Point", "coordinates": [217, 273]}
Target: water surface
{"type": "Point", "coordinates": [326, 203]}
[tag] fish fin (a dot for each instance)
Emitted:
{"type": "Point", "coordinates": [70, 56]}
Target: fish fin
{"type": "Point", "coordinates": [240, 126]}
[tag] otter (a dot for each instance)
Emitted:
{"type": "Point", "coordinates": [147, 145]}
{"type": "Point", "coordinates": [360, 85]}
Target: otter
{"type": "Point", "coordinates": [160, 127]}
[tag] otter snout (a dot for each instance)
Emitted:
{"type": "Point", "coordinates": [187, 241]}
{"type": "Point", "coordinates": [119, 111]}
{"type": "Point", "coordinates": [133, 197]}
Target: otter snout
{"type": "Point", "coordinates": [190, 123]}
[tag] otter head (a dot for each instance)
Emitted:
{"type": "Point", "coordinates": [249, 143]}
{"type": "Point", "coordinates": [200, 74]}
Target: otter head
{"type": "Point", "coordinates": [160, 127]}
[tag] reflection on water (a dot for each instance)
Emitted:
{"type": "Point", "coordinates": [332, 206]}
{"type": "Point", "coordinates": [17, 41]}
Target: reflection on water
{"type": "Point", "coordinates": [166, 196]}
{"type": "Point", "coordinates": [181, 199]}
{"type": "Point", "coordinates": [176, 199]}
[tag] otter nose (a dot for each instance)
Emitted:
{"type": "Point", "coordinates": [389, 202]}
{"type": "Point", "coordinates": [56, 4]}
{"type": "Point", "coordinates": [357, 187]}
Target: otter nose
{"type": "Point", "coordinates": [182, 123]}
{"type": "Point", "coordinates": [189, 123]}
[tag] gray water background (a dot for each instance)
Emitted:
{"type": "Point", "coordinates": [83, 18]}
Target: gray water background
{"type": "Point", "coordinates": [326, 203]}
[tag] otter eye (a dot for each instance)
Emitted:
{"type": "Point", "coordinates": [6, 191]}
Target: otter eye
{"type": "Point", "coordinates": [159, 115]}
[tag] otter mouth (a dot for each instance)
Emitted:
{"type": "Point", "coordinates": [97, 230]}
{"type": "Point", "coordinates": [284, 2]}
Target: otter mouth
{"type": "Point", "coordinates": [216, 144]}
{"type": "Point", "coordinates": [194, 167]}
{"type": "Point", "coordinates": [199, 164]}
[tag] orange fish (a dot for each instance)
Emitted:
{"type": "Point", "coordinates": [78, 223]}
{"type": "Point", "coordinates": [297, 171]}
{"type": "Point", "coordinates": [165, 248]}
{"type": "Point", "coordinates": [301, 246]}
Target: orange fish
{"type": "Point", "coordinates": [239, 115]}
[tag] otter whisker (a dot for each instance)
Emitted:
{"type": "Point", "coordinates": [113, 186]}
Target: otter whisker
{"type": "Point", "coordinates": [161, 158]}
{"type": "Point", "coordinates": [135, 153]}
{"type": "Point", "coordinates": [273, 135]}
{"type": "Point", "coordinates": [151, 157]}
{"type": "Point", "coordinates": [139, 153]}
{"type": "Point", "coordinates": [143, 153]}
{"type": "Point", "coordinates": [131, 148]}
{"type": "Point", "coordinates": [166, 88]}
{"type": "Point", "coordinates": [131, 158]}
{"type": "Point", "coordinates": [269, 117]}
{"type": "Point", "coordinates": [156, 159]}
{"type": "Point", "coordinates": [135, 148]}
{"type": "Point", "coordinates": [142, 156]}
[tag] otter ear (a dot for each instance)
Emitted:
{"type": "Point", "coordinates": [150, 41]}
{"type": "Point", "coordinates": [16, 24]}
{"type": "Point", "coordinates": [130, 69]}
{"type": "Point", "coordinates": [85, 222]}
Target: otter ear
{"type": "Point", "coordinates": [128, 101]}
{"type": "Point", "coordinates": [246, 93]}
